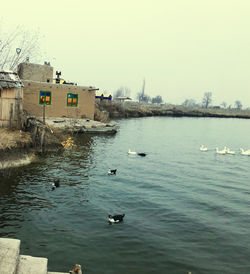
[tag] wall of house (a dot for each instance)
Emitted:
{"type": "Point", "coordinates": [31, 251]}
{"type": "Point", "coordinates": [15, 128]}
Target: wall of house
{"type": "Point", "coordinates": [58, 107]}
{"type": "Point", "coordinates": [7, 97]}
{"type": "Point", "coordinates": [35, 72]}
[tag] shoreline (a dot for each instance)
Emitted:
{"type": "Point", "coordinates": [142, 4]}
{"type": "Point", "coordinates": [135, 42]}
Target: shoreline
{"type": "Point", "coordinates": [23, 147]}
{"type": "Point", "coordinates": [19, 147]}
{"type": "Point", "coordinates": [127, 109]}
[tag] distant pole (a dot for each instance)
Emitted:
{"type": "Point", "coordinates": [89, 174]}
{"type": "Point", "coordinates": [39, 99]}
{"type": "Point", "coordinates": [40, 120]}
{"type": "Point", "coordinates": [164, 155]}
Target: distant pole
{"type": "Point", "coordinates": [43, 132]}
{"type": "Point", "coordinates": [44, 114]}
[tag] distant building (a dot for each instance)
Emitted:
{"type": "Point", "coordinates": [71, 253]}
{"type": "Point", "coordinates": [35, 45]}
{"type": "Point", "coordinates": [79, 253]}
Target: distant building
{"type": "Point", "coordinates": [11, 99]}
{"type": "Point", "coordinates": [102, 96]}
{"type": "Point", "coordinates": [61, 100]}
{"type": "Point", "coordinates": [123, 98]}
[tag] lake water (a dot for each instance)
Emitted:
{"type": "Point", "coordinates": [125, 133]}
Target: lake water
{"type": "Point", "coordinates": [186, 210]}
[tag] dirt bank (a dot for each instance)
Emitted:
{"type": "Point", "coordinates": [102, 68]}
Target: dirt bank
{"type": "Point", "coordinates": [20, 147]}
{"type": "Point", "coordinates": [116, 110]}
{"type": "Point", "coordinates": [13, 139]}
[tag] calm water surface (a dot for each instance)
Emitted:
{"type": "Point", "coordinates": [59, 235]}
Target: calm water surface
{"type": "Point", "coordinates": [186, 210]}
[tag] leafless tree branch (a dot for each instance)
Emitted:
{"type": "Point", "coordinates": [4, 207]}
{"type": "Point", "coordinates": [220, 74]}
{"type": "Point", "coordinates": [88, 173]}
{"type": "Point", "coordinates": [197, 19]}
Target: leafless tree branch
{"type": "Point", "coordinates": [18, 38]}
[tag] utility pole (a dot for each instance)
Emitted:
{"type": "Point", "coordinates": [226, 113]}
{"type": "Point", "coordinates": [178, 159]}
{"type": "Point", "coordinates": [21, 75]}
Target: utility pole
{"type": "Point", "coordinates": [44, 114]}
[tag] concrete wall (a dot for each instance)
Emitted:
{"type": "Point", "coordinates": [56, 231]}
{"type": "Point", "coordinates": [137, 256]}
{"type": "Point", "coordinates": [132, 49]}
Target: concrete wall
{"type": "Point", "coordinates": [8, 97]}
{"type": "Point", "coordinates": [58, 107]}
{"type": "Point", "coordinates": [35, 72]}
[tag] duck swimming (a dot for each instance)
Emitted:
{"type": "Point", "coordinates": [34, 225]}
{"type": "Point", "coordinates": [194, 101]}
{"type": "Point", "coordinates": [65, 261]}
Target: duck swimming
{"type": "Point", "coordinates": [202, 148]}
{"type": "Point", "coordinates": [131, 152]}
{"type": "Point", "coordinates": [228, 151]}
{"type": "Point", "coordinates": [112, 172]}
{"type": "Point", "coordinates": [142, 154]}
{"type": "Point", "coordinates": [222, 152]}
{"type": "Point", "coordinates": [115, 218]}
{"type": "Point", "coordinates": [55, 184]}
{"type": "Point", "coordinates": [245, 152]}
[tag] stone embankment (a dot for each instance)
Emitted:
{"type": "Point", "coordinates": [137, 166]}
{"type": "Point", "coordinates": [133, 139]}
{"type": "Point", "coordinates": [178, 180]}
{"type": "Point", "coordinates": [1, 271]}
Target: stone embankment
{"type": "Point", "coordinates": [81, 125]}
{"type": "Point", "coordinates": [117, 110]}
{"type": "Point", "coordinates": [11, 262]}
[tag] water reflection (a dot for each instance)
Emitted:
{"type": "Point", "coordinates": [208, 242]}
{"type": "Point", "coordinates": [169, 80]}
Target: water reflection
{"type": "Point", "coordinates": [183, 209]}
{"type": "Point", "coordinates": [28, 189]}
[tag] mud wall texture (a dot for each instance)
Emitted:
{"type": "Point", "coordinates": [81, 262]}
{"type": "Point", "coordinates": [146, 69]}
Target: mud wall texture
{"type": "Point", "coordinates": [58, 108]}
{"type": "Point", "coordinates": [35, 72]}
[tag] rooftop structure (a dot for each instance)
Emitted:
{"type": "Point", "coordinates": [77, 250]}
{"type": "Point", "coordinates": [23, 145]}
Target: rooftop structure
{"type": "Point", "coordinates": [9, 79]}
{"type": "Point", "coordinates": [35, 72]}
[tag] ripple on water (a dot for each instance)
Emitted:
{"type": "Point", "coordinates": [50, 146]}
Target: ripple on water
{"type": "Point", "coordinates": [185, 210]}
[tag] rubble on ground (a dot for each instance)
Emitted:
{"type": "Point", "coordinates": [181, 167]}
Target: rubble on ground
{"type": "Point", "coordinates": [81, 125]}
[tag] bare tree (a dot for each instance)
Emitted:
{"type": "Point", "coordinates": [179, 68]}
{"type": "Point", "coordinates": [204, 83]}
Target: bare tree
{"type": "Point", "coordinates": [207, 99]}
{"type": "Point", "coordinates": [157, 99]}
{"type": "Point", "coordinates": [238, 105]}
{"type": "Point", "coordinates": [146, 98]}
{"type": "Point", "coordinates": [141, 96]}
{"type": "Point", "coordinates": [224, 104]}
{"type": "Point", "coordinates": [189, 103]}
{"type": "Point", "coordinates": [16, 47]}
{"type": "Point", "coordinates": [122, 92]}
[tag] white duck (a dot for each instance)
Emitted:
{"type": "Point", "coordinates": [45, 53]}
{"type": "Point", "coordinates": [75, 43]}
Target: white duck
{"type": "Point", "coordinates": [131, 152]}
{"type": "Point", "coordinates": [230, 151]}
{"type": "Point", "coordinates": [223, 151]}
{"type": "Point", "coordinates": [245, 152]}
{"type": "Point", "coordinates": [202, 148]}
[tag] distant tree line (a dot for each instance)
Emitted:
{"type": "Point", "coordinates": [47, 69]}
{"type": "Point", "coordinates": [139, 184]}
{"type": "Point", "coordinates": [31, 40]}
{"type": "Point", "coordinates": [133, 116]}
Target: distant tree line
{"type": "Point", "coordinates": [206, 102]}
{"type": "Point", "coordinates": [122, 92]}
{"type": "Point", "coordinates": [141, 96]}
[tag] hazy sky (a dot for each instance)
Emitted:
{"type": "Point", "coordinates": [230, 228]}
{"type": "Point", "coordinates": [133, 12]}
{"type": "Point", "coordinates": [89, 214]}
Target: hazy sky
{"type": "Point", "coordinates": [182, 48]}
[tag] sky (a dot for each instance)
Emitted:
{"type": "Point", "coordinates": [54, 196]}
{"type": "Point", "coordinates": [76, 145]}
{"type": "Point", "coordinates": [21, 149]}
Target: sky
{"type": "Point", "coordinates": [182, 48]}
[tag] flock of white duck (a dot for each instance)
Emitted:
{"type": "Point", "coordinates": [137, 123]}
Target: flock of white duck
{"type": "Point", "coordinates": [226, 150]}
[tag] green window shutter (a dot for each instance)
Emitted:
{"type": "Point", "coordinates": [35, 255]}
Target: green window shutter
{"type": "Point", "coordinates": [72, 100]}
{"type": "Point", "coordinates": [45, 98]}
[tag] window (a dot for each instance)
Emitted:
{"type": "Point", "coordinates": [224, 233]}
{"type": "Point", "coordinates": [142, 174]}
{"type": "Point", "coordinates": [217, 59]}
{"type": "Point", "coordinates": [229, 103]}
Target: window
{"type": "Point", "coordinates": [45, 98]}
{"type": "Point", "coordinates": [72, 100]}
